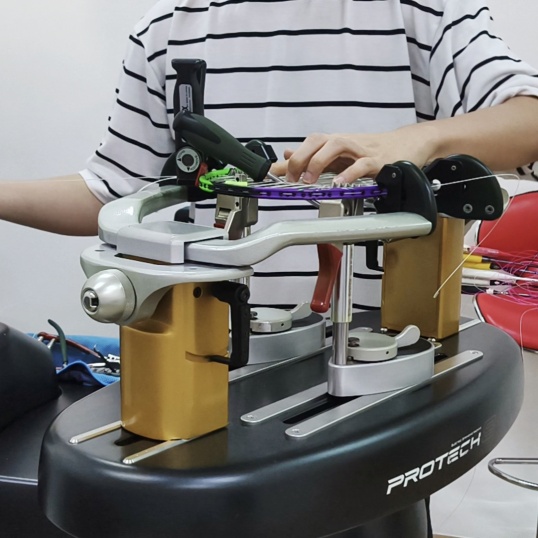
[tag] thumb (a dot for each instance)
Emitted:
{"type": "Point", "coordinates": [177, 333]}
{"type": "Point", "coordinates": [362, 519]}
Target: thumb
{"type": "Point", "coordinates": [279, 168]}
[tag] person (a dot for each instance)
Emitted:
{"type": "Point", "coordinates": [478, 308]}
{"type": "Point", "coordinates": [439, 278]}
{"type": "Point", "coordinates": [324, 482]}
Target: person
{"type": "Point", "coordinates": [397, 79]}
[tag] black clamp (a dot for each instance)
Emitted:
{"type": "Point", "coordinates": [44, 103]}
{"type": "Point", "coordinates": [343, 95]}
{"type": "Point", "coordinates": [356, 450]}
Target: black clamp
{"type": "Point", "coordinates": [408, 190]}
{"type": "Point", "coordinates": [465, 188]}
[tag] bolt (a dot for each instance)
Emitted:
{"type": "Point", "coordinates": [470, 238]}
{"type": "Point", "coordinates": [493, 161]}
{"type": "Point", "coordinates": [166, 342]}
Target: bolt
{"type": "Point", "coordinates": [90, 301]}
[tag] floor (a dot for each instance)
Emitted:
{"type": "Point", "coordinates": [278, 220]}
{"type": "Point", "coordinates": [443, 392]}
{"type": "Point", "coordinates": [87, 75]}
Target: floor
{"type": "Point", "coordinates": [481, 505]}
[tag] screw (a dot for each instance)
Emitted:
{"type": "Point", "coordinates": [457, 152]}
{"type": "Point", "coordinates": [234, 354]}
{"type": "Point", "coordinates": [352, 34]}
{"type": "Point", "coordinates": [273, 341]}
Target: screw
{"type": "Point", "coordinates": [489, 209]}
{"type": "Point", "coordinates": [467, 208]}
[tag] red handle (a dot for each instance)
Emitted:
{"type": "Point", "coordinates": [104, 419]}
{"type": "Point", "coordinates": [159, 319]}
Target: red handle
{"type": "Point", "coordinates": [329, 264]}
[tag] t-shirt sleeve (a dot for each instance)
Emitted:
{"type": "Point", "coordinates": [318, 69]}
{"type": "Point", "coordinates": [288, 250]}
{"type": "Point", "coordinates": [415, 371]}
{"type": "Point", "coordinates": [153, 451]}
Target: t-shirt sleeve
{"type": "Point", "coordinates": [138, 139]}
{"type": "Point", "coordinates": [470, 66]}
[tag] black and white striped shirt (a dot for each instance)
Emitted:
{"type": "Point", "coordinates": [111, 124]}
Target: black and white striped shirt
{"type": "Point", "coordinates": [279, 70]}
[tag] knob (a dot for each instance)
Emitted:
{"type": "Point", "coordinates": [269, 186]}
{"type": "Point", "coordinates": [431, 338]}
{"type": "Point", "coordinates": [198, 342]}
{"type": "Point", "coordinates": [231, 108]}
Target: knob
{"type": "Point", "coordinates": [108, 297]}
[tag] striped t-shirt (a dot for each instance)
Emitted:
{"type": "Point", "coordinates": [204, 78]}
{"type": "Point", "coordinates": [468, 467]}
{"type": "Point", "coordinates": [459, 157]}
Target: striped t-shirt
{"type": "Point", "coordinates": [278, 70]}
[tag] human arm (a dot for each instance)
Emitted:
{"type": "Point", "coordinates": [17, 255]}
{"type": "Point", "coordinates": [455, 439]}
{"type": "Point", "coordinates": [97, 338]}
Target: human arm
{"type": "Point", "coordinates": [469, 90]}
{"type": "Point", "coordinates": [502, 136]}
{"type": "Point", "coordinates": [61, 205]}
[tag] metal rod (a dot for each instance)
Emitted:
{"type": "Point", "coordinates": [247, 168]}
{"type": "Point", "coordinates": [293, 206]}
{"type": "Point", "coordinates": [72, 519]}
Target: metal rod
{"type": "Point", "coordinates": [152, 451]}
{"type": "Point", "coordinates": [342, 305]}
{"type": "Point", "coordinates": [361, 404]}
{"type": "Point", "coordinates": [86, 436]}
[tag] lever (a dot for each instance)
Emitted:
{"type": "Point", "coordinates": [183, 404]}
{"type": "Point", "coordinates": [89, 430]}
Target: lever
{"type": "Point", "coordinates": [213, 141]}
{"type": "Point", "coordinates": [186, 164]}
{"type": "Point", "coordinates": [329, 264]}
{"type": "Point", "coordinates": [190, 83]}
{"type": "Point", "coordinates": [237, 296]}
{"type": "Point", "coordinates": [410, 335]}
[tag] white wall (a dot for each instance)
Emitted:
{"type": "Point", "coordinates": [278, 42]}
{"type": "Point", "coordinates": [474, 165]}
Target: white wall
{"type": "Point", "coordinates": [515, 21]}
{"type": "Point", "coordinates": [59, 65]}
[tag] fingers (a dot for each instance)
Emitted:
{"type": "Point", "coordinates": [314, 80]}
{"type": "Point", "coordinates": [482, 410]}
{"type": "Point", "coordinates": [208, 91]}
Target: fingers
{"type": "Point", "coordinates": [305, 159]}
{"type": "Point", "coordinates": [280, 168]}
{"type": "Point", "coordinates": [320, 152]}
{"type": "Point", "coordinates": [365, 167]}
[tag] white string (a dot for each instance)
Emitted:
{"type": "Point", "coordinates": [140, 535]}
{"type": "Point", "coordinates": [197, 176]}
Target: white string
{"type": "Point", "coordinates": [161, 179]}
{"type": "Point", "coordinates": [521, 326]}
{"type": "Point", "coordinates": [488, 176]}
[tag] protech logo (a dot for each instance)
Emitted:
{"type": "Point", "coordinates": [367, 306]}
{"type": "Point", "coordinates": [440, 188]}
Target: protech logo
{"type": "Point", "coordinates": [459, 450]}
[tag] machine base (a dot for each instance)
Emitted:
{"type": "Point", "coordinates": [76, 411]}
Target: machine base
{"type": "Point", "coordinates": [257, 481]}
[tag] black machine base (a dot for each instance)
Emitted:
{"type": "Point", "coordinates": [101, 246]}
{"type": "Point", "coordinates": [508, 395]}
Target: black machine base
{"type": "Point", "coordinates": [366, 476]}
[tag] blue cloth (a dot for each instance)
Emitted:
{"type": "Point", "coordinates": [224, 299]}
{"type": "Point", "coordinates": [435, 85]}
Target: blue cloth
{"type": "Point", "coordinates": [80, 372]}
{"type": "Point", "coordinates": [77, 369]}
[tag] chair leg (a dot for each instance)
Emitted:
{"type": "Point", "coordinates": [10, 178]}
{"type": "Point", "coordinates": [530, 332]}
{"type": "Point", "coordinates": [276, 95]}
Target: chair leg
{"type": "Point", "coordinates": [493, 467]}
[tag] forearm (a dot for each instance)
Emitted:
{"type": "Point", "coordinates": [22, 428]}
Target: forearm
{"type": "Point", "coordinates": [61, 205]}
{"type": "Point", "coordinates": [503, 137]}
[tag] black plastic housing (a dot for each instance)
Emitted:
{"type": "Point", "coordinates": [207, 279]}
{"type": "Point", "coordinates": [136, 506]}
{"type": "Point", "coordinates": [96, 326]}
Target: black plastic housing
{"type": "Point", "coordinates": [27, 374]}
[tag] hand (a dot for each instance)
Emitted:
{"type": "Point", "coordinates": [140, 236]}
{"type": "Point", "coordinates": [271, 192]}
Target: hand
{"type": "Point", "coordinates": [353, 156]}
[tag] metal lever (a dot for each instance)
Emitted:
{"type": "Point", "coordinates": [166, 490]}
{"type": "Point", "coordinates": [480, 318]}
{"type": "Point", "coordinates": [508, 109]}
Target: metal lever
{"type": "Point", "coordinates": [409, 336]}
